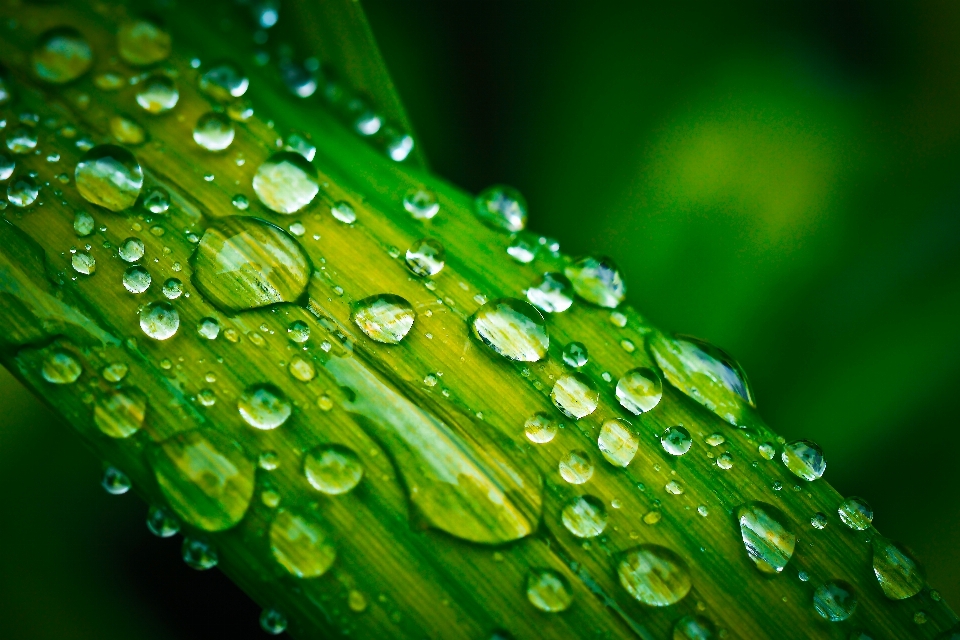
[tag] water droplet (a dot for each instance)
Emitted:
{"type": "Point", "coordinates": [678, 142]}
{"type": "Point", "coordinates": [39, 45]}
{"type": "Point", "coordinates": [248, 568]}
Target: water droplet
{"type": "Point", "coordinates": [273, 621]}
{"type": "Point", "coordinates": [214, 132]}
{"type": "Point", "coordinates": [767, 450]}
{"type": "Point", "coordinates": [512, 328]}
{"type": "Point", "coordinates": [109, 81]}
{"type": "Point", "coordinates": [114, 372]}
{"type": "Point", "coordinates": [654, 575]}
{"type": "Point", "coordinates": [120, 414]}
{"type": "Point", "coordinates": [356, 601]}
{"type": "Point", "coordinates": [199, 554]}
{"type": "Point", "coordinates": [131, 249]}
{"type": "Point", "coordinates": [158, 94]}
{"type": "Point", "coordinates": [920, 617]}
{"type": "Point", "coordinates": [301, 369]}
{"type": "Point", "coordinates": [553, 294]}
{"type": "Point", "coordinates": [425, 257]}
{"type": "Point", "coordinates": [208, 328]}
{"type": "Point", "coordinates": [576, 467]}
{"type": "Point", "coordinates": [575, 355]}
{"type": "Point", "coordinates": [897, 571]}
{"type": "Point", "coordinates": [804, 459]}
{"type": "Point", "coordinates": [299, 331]}
{"type": "Point", "coordinates": [162, 523]}
{"type": "Point", "coordinates": [333, 469]}
{"type": "Point", "coordinates": [59, 367]}
{"type": "Point", "coordinates": [84, 263]}
{"type": "Point", "coordinates": [269, 460]}
{"type": "Point", "coordinates": [136, 279]}
{"type": "Point", "coordinates": [159, 320]}
{"type": "Point", "coordinates": [618, 443]}
{"type": "Point", "coordinates": [156, 201]}
{"type": "Point", "coordinates": [300, 143]}
{"type": "Point", "coordinates": [835, 600]}
{"type": "Point", "coordinates": [22, 140]}
{"type": "Point", "coordinates": [206, 477]}
{"type": "Point", "coordinates": [725, 460]}
{"type": "Point", "coordinates": [263, 406]}
{"type": "Point", "coordinates": [597, 280]}
{"type": "Point", "coordinates": [62, 54]}
{"type": "Point", "coordinates": [109, 176]}
{"type": "Point", "coordinates": [142, 43]}
{"type": "Point", "coordinates": [172, 289]}
{"type": "Point", "coordinates": [715, 439]}
{"type": "Point", "coordinates": [639, 390]}
{"type": "Point", "coordinates": [344, 212]}
{"type": "Point", "coordinates": [584, 516]}
{"type": "Point", "coordinates": [540, 428]}
{"type": "Point", "coordinates": [115, 482]}
{"type": "Point", "coordinates": [421, 203]}
{"type": "Point", "coordinates": [7, 165]}
{"type": "Point", "coordinates": [676, 440]}
{"type": "Point", "coordinates": [223, 82]}
{"type": "Point", "coordinates": [575, 395]}
{"type": "Point", "coordinates": [300, 545]}
{"type": "Point", "coordinates": [83, 223]}
{"type": "Point", "coordinates": [22, 191]}
{"type": "Point", "coordinates": [384, 317]}
{"type": "Point", "coordinates": [548, 591]}
{"type": "Point", "coordinates": [523, 248]}
{"type": "Point", "coordinates": [244, 263]}
{"type": "Point", "coordinates": [674, 487]}
{"type": "Point", "coordinates": [765, 535]}
{"type": "Point", "coordinates": [694, 628]}
{"type": "Point", "coordinates": [502, 207]}
{"type": "Point", "coordinates": [127, 131]}
{"type": "Point", "coordinates": [856, 513]}
{"type": "Point", "coordinates": [286, 182]}
{"type": "Point", "coordinates": [704, 373]}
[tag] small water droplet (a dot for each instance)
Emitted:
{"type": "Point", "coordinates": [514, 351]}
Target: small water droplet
{"type": "Point", "coordinates": [597, 280]}
{"type": "Point", "coordinates": [84, 263]}
{"type": "Point", "coordinates": [269, 461]}
{"type": "Point", "coordinates": [300, 143]}
{"type": "Point", "coordinates": [652, 517]}
{"type": "Point", "coordinates": [385, 317]}
{"type": "Point", "coordinates": [425, 257]}
{"type": "Point", "coordinates": [136, 279]}
{"type": "Point", "coordinates": [7, 165]}
{"type": "Point", "coordinates": [299, 331]}
{"type": "Point", "coordinates": [540, 428]}
{"type": "Point", "coordinates": [240, 202]}
{"type": "Point", "coordinates": [22, 140]}
{"type": "Point", "coordinates": [835, 600]}
{"type": "Point", "coordinates": [158, 94]}
{"type": "Point", "coordinates": [804, 459]}
{"type": "Point", "coordinates": [694, 628]}
{"type": "Point", "coordinates": [61, 55]}
{"type": "Point", "coordinates": [654, 575]}
{"type": "Point", "coordinates": [618, 443]}
{"type": "Point", "coordinates": [768, 541]}
{"type": "Point", "coordinates": [674, 487]}
{"type": "Point", "coordinates": [60, 367]}
{"type": "Point", "coordinates": [300, 545]}
{"type": "Point", "coordinates": [554, 293]}
{"type": "Point", "coordinates": [344, 212]}
{"type": "Point", "coordinates": [131, 249]}
{"type": "Point", "coordinates": [214, 132]}
{"type": "Point", "coordinates": [115, 482]}
{"type": "Point", "coordinates": [548, 591]}
{"type": "Point", "coordinates": [575, 395]}
{"type": "Point", "coordinates": [512, 328]}
{"type": "Point", "coordinates": [725, 460]}
{"type": "Point", "coordinates": [22, 191]}
{"type": "Point", "coordinates": [120, 414]}
{"type": "Point", "coordinates": [286, 182]}
{"type": "Point", "coordinates": [156, 201]}
{"type": "Point", "coordinates": [575, 355]}
{"type": "Point", "coordinates": [301, 369]}
{"type": "Point", "coordinates": [273, 621]}
{"type": "Point", "coordinates": [127, 131]}
{"type": "Point", "coordinates": [172, 289]}
{"type": "Point", "coordinates": [162, 523]}
{"type": "Point", "coordinates": [356, 601]}
{"type": "Point", "coordinates": [421, 203]}
{"type": "Point", "coordinates": [223, 82]}
{"type": "Point", "coordinates": [142, 43]}
{"type": "Point", "coordinates": [159, 320]}
{"type": "Point", "coordinates": [208, 328]}
{"type": "Point", "coordinates": [676, 440]}
{"type": "Point", "coordinates": [83, 223]}
{"type": "Point", "coordinates": [109, 81]}
{"type": "Point", "coordinates": [264, 406]}
{"type": "Point", "coordinates": [333, 469]}
{"type": "Point", "coordinates": [898, 572]}
{"type": "Point", "coordinates": [523, 248]}
{"type": "Point", "coordinates": [501, 207]}
{"type": "Point", "coordinates": [576, 467]}
{"type": "Point", "coordinates": [109, 176]}
{"type": "Point", "coordinates": [114, 372]}
{"type": "Point", "coordinates": [856, 513]}
{"type": "Point", "coordinates": [199, 554]}
{"type": "Point", "coordinates": [639, 390]}
{"type": "Point", "coordinates": [703, 511]}
{"type": "Point", "coordinates": [767, 450]}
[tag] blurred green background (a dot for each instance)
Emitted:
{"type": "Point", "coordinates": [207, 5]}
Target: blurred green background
{"type": "Point", "coordinates": [781, 179]}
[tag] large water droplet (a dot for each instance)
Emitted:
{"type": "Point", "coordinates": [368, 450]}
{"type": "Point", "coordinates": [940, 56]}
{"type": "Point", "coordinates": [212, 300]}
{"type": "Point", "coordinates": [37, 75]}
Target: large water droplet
{"type": "Point", "coordinates": [856, 513]}
{"type": "Point", "coordinates": [575, 395]}
{"type": "Point", "coordinates": [120, 414]}
{"type": "Point", "coordinates": [502, 207]}
{"type": "Point", "coordinates": [548, 591]}
{"type": "Point", "coordinates": [576, 467]}
{"type": "Point", "coordinates": [384, 317]}
{"type": "Point", "coordinates": [540, 428]}
{"type": "Point", "coordinates": [223, 82]}
{"type": "Point", "coordinates": [158, 94]}
{"type": "Point", "coordinates": [765, 535]}
{"type": "Point", "coordinates": [142, 43]}
{"type": "Point", "coordinates": [22, 191]}
{"type": "Point", "coordinates": [804, 459]}
{"type": "Point", "coordinates": [597, 280]}
{"type": "Point", "coordinates": [244, 263]}
{"type": "Point", "coordinates": [704, 373]}
{"type": "Point", "coordinates": [62, 54]}
{"type": "Point", "coordinates": [654, 575]}
{"type": "Point", "coordinates": [199, 554]}
{"type": "Point", "coordinates": [425, 257]}
{"type": "Point", "coordinates": [421, 203]}
{"type": "Point", "coordinates": [618, 443]}
{"type": "Point", "coordinates": [584, 516]}
{"type": "Point", "coordinates": [676, 440]}
{"type": "Point", "coordinates": [286, 182]}
{"type": "Point", "coordinates": [206, 478]}
{"type": "Point", "coordinates": [136, 279]}
{"type": "Point", "coordinates": [639, 390]}
{"type": "Point", "coordinates": [835, 600]}
{"type": "Point", "coordinates": [333, 469]}
{"type": "Point", "coordinates": [512, 328]}
{"type": "Point", "coordinates": [159, 320]}
{"type": "Point", "coordinates": [694, 628]}
{"type": "Point", "coordinates": [264, 406]}
{"type": "Point", "coordinates": [554, 294]}
{"type": "Point", "coordinates": [300, 545]}
{"type": "Point", "coordinates": [109, 176]}
{"type": "Point", "coordinates": [898, 572]}
{"type": "Point", "coordinates": [213, 131]}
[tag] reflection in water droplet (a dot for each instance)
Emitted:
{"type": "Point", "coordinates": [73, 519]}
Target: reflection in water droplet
{"type": "Point", "coordinates": [333, 469]}
{"type": "Point", "coordinates": [575, 395]}
{"type": "Point", "coordinates": [162, 523]}
{"type": "Point", "coordinates": [300, 545]}
{"type": "Point", "coordinates": [835, 600]}
{"type": "Point", "coordinates": [654, 575]}
{"type": "Point", "coordinates": [576, 467]}
{"type": "Point", "coordinates": [501, 207]}
{"type": "Point", "coordinates": [694, 628]}
{"type": "Point", "coordinates": [639, 390]}
{"type": "Point", "coordinates": [554, 294]}
{"type": "Point", "coordinates": [62, 54]}
{"type": "Point", "coordinates": [575, 355]}
{"type": "Point", "coordinates": [263, 406]}
{"type": "Point", "coordinates": [120, 414]}
{"type": "Point", "coordinates": [115, 482]}
{"type": "Point", "coordinates": [158, 94]}
{"type": "Point", "coordinates": [540, 428]}
{"type": "Point", "coordinates": [22, 191]}
{"type": "Point", "coordinates": [598, 281]}
{"type": "Point", "coordinates": [127, 131]}
{"type": "Point", "coordinates": [136, 279]}
{"type": "Point", "coordinates": [206, 478]}
{"type": "Point", "coordinates": [109, 176]}
{"type": "Point", "coordinates": [384, 317]}
{"type": "Point", "coordinates": [765, 535]}
{"type": "Point", "coordinates": [273, 621]}
{"type": "Point", "coordinates": [59, 367]}
{"type": "Point", "coordinates": [425, 257]}
{"type": "Point", "coordinates": [159, 320]}
{"type": "Point", "coordinates": [676, 440]}
{"type": "Point", "coordinates": [142, 43]}
{"type": "Point", "coordinates": [897, 571]}
{"type": "Point", "coordinates": [585, 516]}
{"type": "Point", "coordinates": [804, 459]}
{"type": "Point", "coordinates": [223, 82]}
{"type": "Point", "coordinates": [244, 263]}
{"type": "Point", "coordinates": [131, 249]}
{"type": "Point", "coordinates": [421, 203]}
{"type": "Point", "coordinates": [199, 554]}
{"type": "Point", "coordinates": [548, 591]}
{"type": "Point", "coordinates": [856, 513]}
{"type": "Point", "coordinates": [512, 328]}
{"type": "Point", "coordinates": [286, 182]}
{"type": "Point", "coordinates": [618, 443]}
{"type": "Point", "coordinates": [213, 131]}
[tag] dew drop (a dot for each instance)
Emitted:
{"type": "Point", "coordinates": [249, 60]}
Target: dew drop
{"type": "Point", "coordinates": [804, 459]}
{"type": "Point", "coordinates": [344, 212]}
{"type": "Point", "coordinates": [22, 191]}
{"type": "Point", "coordinates": [142, 43]}
{"type": "Point", "coordinates": [300, 545]}
{"type": "Point", "coordinates": [83, 223]}
{"type": "Point", "coordinates": [273, 621]}
{"type": "Point", "coordinates": [576, 467]}
{"type": "Point", "coordinates": [109, 176]}
{"type": "Point", "coordinates": [768, 541]}
{"type": "Point", "coordinates": [540, 428]}
{"type": "Point", "coordinates": [384, 317]}
{"type": "Point", "coordinates": [575, 355]}
{"type": "Point", "coordinates": [61, 55]}
{"type": "Point", "coordinates": [676, 440]}
{"type": "Point", "coordinates": [767, 450]}
{"type": "Point", "coordinates": [425, 257]}
{"type": "Point", "coordinates": [114, 372]}
{"type": "Point", "coordinates": [333, 469]}
{"type": "Point", "coordinates": [7, 165]}
{"type": "Point", "coordinates": [172, 289]}
{"type": "Point", "coordinates": [115, 482]}
{"type": "Point", "coordinates": [156, 201]}
{"type": "Point", "coordinates": [598, 281]}
{"type": "Point", "coordinates": [501, 207]}
{"type": "Point", "coordinates": [300, 143]}
{"type": "Point", "coordinates": [59, 367]}
{"type": "Point", "coordinates": [269, 461]}
{"type": "Point", "coordinates": [162, 523]}
{"type": "Point", "coordinates": [856, 513]}
{"type": "Point", "coordinates": [214, 131]}
{"type": "Point", "coordinates": [575, 395]}
{"type": "Point", "coordinates": [127, 131]}
{"type": "Point", "coordinates": [523, 248]}
{"type": "Point", "coordinates": [554, 294]}
{"type": "Point", "coordinates": [22, 140]}
{"type": "Point", "coordinates": [301, 369]}
{"type": "Point", "coordinates": [286, 182]}
{"type": "Point", "coordinates": [264, 406]}
{"type": "Point", "coordinates": [618, 443]}
{"type": "Point", "coordinates": [512, 328]}
{"type": "Point", "coordinates": [356, 601]}
{"type": "Point", "coordinates": [159, 320]}
{"type": "Point", "coordinates": [208, 328]}
{"type": "Point", "coordinates": [120, 414]}
{"type": "Point", "coordinates": [694, 628]}
{"type": "Point", "coordinates": [421, 203]}
{"type": "Point", "coordinates": [835, 600]}
{"type": "Point", "coordinates": [584, 516]}
{"type": "Point", "coordinates": [199, 554]}
{"type": "Point", "coordinates": [299, 331]}
{"type": "Point", "coordinates": [548, 591]}
{"type": "Point", "coordinates": [654, 575]}
{"type": "Point", "coordinates": [223, 82]}
{"type": "Point", "coordinates": [84, 263]}
{"type": "Point", "coordinates": [725, 460]}
{"type": "Point", "coordinates": [639, 390]}
{"type": "Point", "coordinates": [131, 249]}
{"type": "Point", "coordinates": [136, 279]}
{"type": "Point", "coordinates": [158, 94]}
{"type": "Point", "coordinates": [898, 572]}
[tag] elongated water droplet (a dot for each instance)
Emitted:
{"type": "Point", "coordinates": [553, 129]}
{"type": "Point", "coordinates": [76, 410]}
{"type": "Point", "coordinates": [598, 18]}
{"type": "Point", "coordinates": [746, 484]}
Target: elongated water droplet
{"type": "Point", "coordinates": [300, 545]}
{"type": "Point", "coordinates": [704, 373]}
{"type": "Point", "coordinates": [223, 82]}
{"type": "Point", "coordinates": [22, 191]}
{"type": "Point", "coordinates": [512, 328]}
{"type": "Point", "coordinates": [639, 390]}
{"type": "Point", "coordinates": [694, 628]}
{"type": "Point", "coordinates": [263, 406]}
{"type": "Point", "coordinates": [421, 203]}
{"type": "Point", "coordinates": [501, 207]}
{"type": "Point", "coordinates": [136, 279]}
{"type": "Point", "coordinates": [584, 516]}
{"type": "Point", "coordinates": [804, 459]}
{"type": "Point", "coordinates": [199, 554]}
{"type": "Point", "coordinates": [676, 440]}
{"type": "Point", "coordinates": [835, 600]}
{"type": "Point", "coordinates": [159, 320]}
{"type": "Point", "coordinates": [898, 572]}
{"type": "Point", "coordinates": [120, 414]}
{"type": "Point", "coordinates": [575, 395]}
{"type": "Point", "coordinates": [768, 541]}
{"type": "Point", "coordinates": [162, 523]}
{"type": "Point", "coordinates": [576, 467]}
{"type": "Point", "coordinates": [540, 428]}
{"type": "Point", "coordinates": [548, 591]}
{"type": "Point", "coordinates": [158, 94]}
{"type": "Point", "coordinates": [115, 482]}
{"type": "Point", "coordinates": [333, 469]}
{"type": "Point", "coordinates": [384, 317]}
{"type": "Point", "coordinates": [618, 443]}
{"type": "Point", "coordinates": [425, 257]}
{"type": "Point", "coordinates": [62, 54]}
{"type": "Point", "coordinates": [206, 478]}
{"type": "Point", "coordinates": [554, 293]}
{"type": "Point", "coordinates": [244, 263]}
{"type": "Point", "coordinates": [214, 131]}
{"type": "Point", "coordinates": [575, 355]}
{"type": "Point", "coordinates": [598, 281]}
{"type": "Point", "coordinates": [654, 575]}
{"type": "Point", "coordinates": [142, 43]}
{"type": "Point", "coordinates": [273, 621]}
{"type": "Point", "coordinates": [286, 182]}
{"type": "Point", "coordinates": [109, 176]}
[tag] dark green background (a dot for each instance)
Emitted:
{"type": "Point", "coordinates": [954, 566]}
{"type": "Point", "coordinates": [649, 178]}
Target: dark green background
{"type": "Point", "coordinates": [782, 179]}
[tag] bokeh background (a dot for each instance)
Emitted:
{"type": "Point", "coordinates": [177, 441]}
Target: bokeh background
{"type": "Point", "coordinates": [781, 179]}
